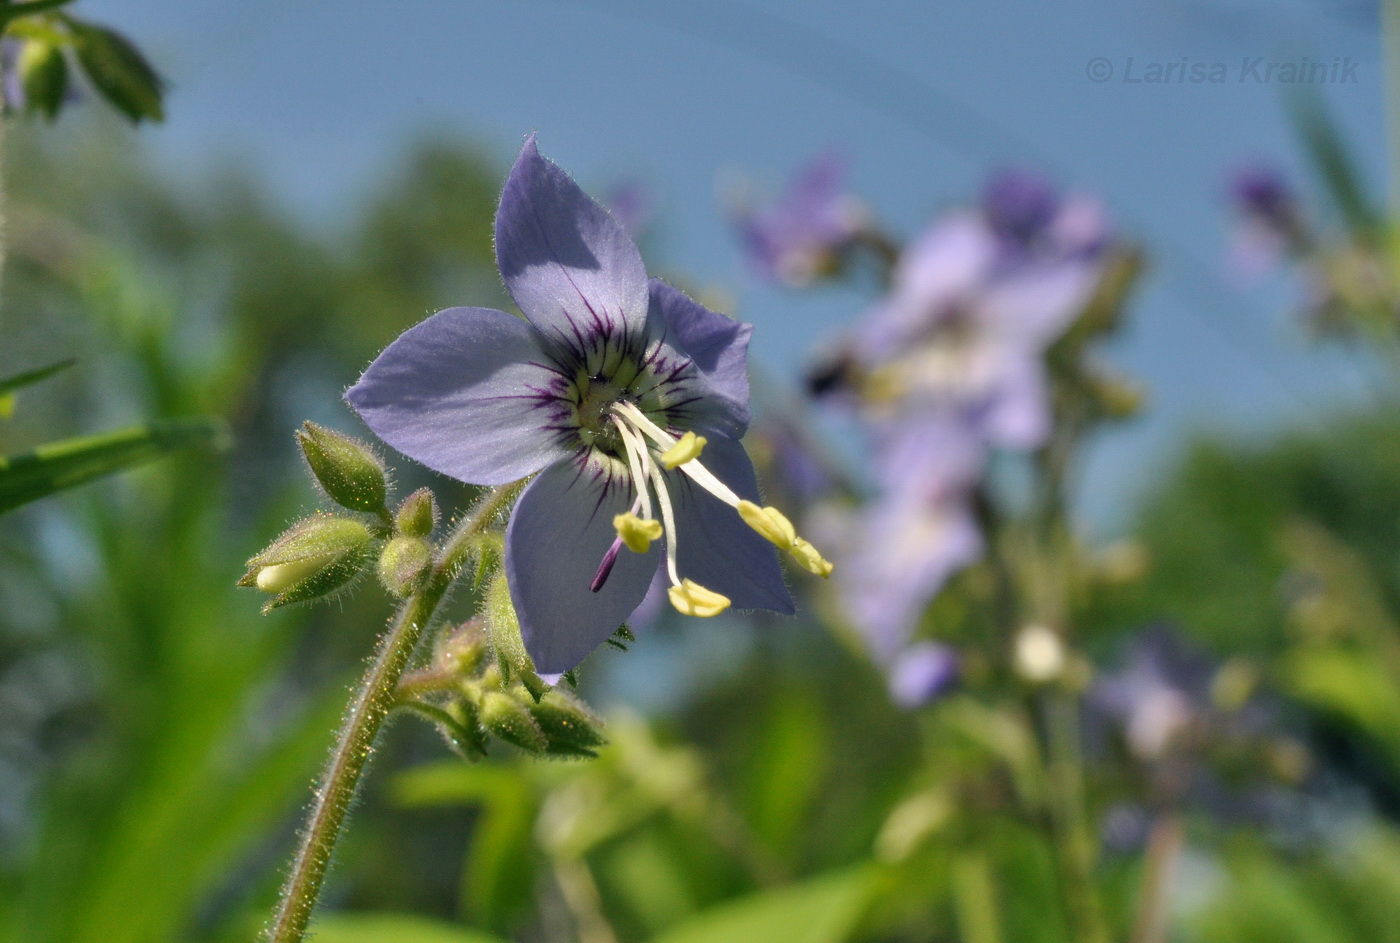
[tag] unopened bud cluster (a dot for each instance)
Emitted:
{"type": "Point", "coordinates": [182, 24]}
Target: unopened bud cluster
{"type": "Point", "coordinates": [321, 555]}
{"type": "Point", "coordinates": [485, 698]}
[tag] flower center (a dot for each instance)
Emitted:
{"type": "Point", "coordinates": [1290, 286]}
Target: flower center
{"type": "Point", "coordinates": [594, 409]}
{"type": "Point", "coordinates": [645, 461]}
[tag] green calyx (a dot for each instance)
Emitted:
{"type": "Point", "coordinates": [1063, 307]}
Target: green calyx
{"type": "Point", "coordinates": [312, 559]}
{"type": "Point", "coordinates": [404, 564]}
{"type": "Point", "coordinates": [417, 515]}
{"type": "Point", "coordinates": [510, 719]}
{"type": "Point", "coordinates": [348, 470]}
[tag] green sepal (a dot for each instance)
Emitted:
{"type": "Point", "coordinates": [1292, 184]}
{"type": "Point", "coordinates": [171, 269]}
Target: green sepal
{"type": "Point", "coordinates": [622, 638]}
{"type": "Point", "coordinates": [417, 515]}
{"type": "Point", "coordinates": [503, 630]}
{"type": "Point", "coordinates": [507, 716]}
{"type": "Point", "coordinates": [462, 651]}
{"type": "Point", "coordinates": [568, 726]}
{"type": "Point", "coordinates": [118, 71]}
{"type": "Point", "coordinates": [319, 535]}
{"type": "Point", "coordinates": [340, 545]}
{"type": "Point", "coordinates": [43, 73]}
{"type": "Point", "coordinates": [404, 564]}
{"type": "Point", "coordinates": [348, 471]}
{"type": "Point", "coordinates": [330, 579]}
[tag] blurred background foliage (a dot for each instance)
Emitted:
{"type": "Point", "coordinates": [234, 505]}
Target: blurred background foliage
{"type": "Point", "coordinates": [157, 736]}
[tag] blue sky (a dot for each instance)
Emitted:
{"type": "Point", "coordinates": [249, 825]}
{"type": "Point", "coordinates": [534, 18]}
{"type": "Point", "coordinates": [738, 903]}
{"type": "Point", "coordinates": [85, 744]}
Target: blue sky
{"type": "Point", "coordinates": [322, 96]}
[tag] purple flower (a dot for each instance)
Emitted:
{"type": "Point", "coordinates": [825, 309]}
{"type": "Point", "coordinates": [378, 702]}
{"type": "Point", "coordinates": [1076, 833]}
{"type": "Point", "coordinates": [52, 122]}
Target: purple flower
{"type": "Point", "coordinates": [919, 532]}
{"type": "Point", "coordinates": [608, 391]}
{"type": "Point", "coordinates": [11, 84]}
{"type": "Point", "coordinates": [1270, 223]}
{"type": "Point", "coordinates": [1019, 205]}
{"type": "Point", "coordinates": [801, 235]}
{"type": "Point", "coordinates": [631, 205]}
{"type": "Point", "coordinates": [1161, 692]}
{"type": "Point", "coordinates": [923, 673]}
{"type": "Point", "coordinates": [966, 324]}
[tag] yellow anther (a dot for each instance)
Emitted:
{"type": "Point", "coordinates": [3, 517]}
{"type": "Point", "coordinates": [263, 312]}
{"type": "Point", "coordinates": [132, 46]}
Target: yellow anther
{"type": "Point", "coordinates": [636, 533]}
{"type": "Point", "coordinates": [811, 560]}
{"type": "Point", "coordinates": [769, 522]}
{"type": "Point", "coordinates": [280, 577]}
{"type": "Point", "coordinates": [688, 448]}
{"type": "Point", "coordinates": [692, 599]}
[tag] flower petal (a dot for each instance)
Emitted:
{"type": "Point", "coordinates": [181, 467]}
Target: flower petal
{"type": "Point", "coordinates": [718, 346]}
{"type": "Point", "coordinates": [572, 269]}
{"type": "Point", "coordinates": [466, 393]}
{"type": "Point", "coordinates": [561, 527]}
{"type": "Point", "coordinates": [905, 551]}
{"type": "Point", "coordinates": [715, 548]}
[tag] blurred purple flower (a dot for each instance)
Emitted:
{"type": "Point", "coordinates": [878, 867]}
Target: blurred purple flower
{"type": "Point", "coordinates": [1124, 828]}
{"type": "Point", "coordinates": [802, 234]}
{"type": "Point", "coordinates": [975, 302]}
{"type": "Point", "coordinates": [916, 534]}
{"type": "Point", "coordinates": [1161, 691]}
{"type": "Point", "coordinates": [1019, 205]}
{"type": "Point", "coordinates": [11, 85]}
{"type": "Point", "coordinates": [923, 673]}
{"type": "Point", "coordinates": [630, 203]}
{"type": "Point", "coordinates": [1270, 224]}
{"type": "Point", "coordinates": [606, 370]}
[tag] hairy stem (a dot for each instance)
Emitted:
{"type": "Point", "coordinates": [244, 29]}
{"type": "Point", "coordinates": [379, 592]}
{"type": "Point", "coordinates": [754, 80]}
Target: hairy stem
{"type": "Point", "coordinates": [355, 742]}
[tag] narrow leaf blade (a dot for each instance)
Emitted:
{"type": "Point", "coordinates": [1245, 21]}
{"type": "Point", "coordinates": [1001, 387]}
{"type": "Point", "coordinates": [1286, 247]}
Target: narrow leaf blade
{"type": "Point", "coordinates": [58, 466]}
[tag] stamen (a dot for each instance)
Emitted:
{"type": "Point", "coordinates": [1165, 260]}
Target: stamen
{"type": "Point", "coordinates": [668, 517]}
{"type": "Point", "coordinates": [692, 599]}
{"type": "Point", "coordinates": [636, 534]}
{"type": "Point", "coordinates": [684, 453]}
{"type": "Point", "coordinates": [698, 472]}
{"type": "Point", "coordinates": [686, 450]}
{"type": "Point", "coordinates": [636, 462]}
{"type": "Point", "coordinates": [770, 523]}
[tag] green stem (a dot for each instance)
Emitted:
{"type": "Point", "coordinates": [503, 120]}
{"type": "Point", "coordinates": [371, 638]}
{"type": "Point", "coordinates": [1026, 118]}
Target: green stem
{"type": "Point", "coordinates": [1074, 843]}
{"type": "Point", "coordinates": [1154, 903]}
{"type": "Point", "coordinates": [370, 706]}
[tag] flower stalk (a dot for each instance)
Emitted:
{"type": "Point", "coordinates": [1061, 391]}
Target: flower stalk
{"type": "Point", "coordinates": [368, 710]}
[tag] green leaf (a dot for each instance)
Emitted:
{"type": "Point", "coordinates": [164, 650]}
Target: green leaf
{"type": "Point", "coordinates": [392, 928]}
{"type": "Point", "coordinates": [58, 466]}
{"type": "Point", "coordinates": [13, 11]}
{"type": "Point", "coordinates": [1333, 164]}
{"type": "Point", "coordinates": [9, 385]}
{"type": "Point", "coordinates": [498, 879]}
{"type": "Point", "coordinates": [822, 910]}
{"type": "Point", "coordinates": [118, 71]}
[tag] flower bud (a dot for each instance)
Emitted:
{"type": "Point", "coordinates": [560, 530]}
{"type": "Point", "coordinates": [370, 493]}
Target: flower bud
{"type": "Point", "coordinates": [462, 651]}
{"type": "Point", "coordinates": [313, 558]}
{"type": "Point", "coordinates": [503, 629]}
{"type": "Point", "coordinates": [568, 727]}
{"type": "Point", "coordinates": [417, 515]}
{"type": "Point", "coordinates": [1039, 655]}
{"type": "Point", "coordinates": [349, 471]}
{"type": "Point", "coordinates": [43, 74]}
{"type": "Point", "coordinates": [467, 738]}
{"type": "Point", "coordinates": [404, 564]}
{"type": "Point", "coordinates": [508, 718]}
